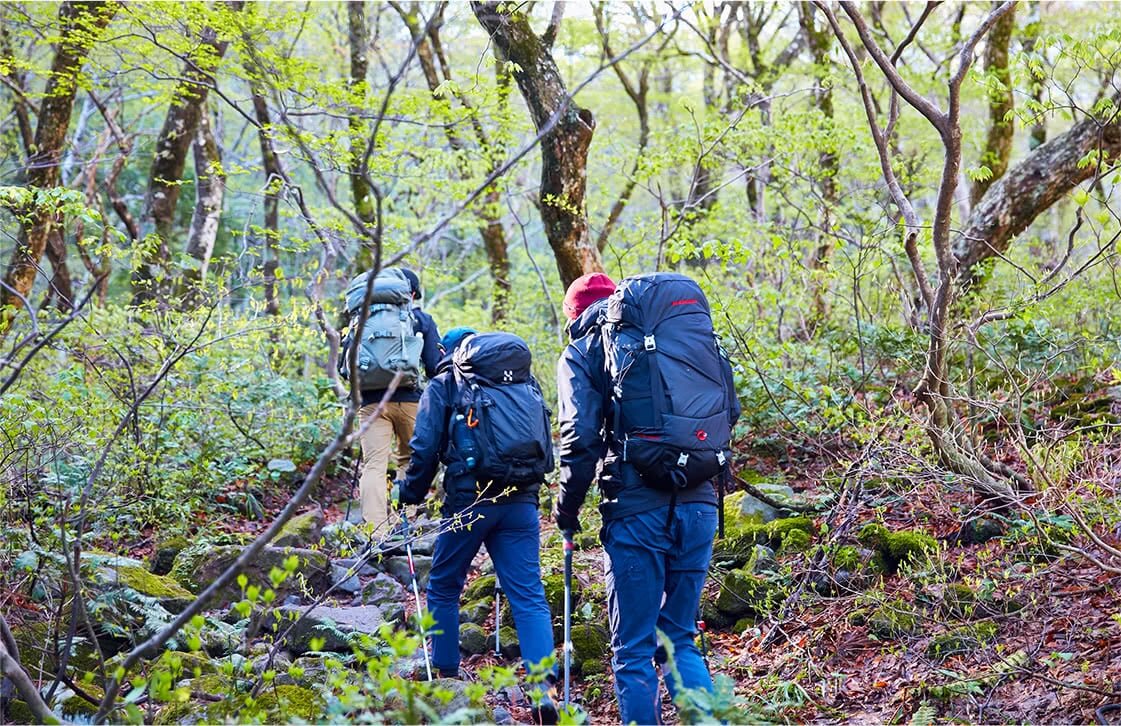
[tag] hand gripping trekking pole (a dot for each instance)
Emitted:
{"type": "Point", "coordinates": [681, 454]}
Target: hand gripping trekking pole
{"type": "Point", "coordinates": [568, 548]}
{"type": "Point", "coordinates": [416, 592]}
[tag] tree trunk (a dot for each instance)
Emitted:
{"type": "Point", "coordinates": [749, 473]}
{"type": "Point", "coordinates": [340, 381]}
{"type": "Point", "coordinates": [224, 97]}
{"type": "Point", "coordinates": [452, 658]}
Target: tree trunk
{"type": "Point", "coordinates": [433, 62]}
{"type": "Point", "coordinates": [274, 176]}
{"type": "Point", "coordinates": [998, 144]}
{"type": "Point", "coordinates": [81, 23]}
{"type": "Point", "coordinates": [566, 131]}
{"type": "Point", "coordinates": [61, 289]}
{"type": "Point", "coordinates": [180, 127]}
{"type": "Point", "coordinates": [820, 42]}
{"type": "Point", "coordinates": [1029, 188]}
{"type": "Point", "coordinates": [358, 36]}
{"type": "Point", "coordinates": [1038, 133]}
{"type": "Point", "coordinates": [210, 189]}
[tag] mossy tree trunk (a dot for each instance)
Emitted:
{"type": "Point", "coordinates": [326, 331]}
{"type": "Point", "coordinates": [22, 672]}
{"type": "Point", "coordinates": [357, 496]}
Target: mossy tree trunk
{"type": "Point", "coordinates": [566, 133]}
{"type": "Point", "coordinates": [436, 69]}
{"type": "Point", "coordinates": [820, 43]}
{"type": "Point", "coordinates": [180, 127]}
{"type": "Point", "coordinates": [1029, 188]}
{"type": "Point", "coordinates": [210, 190]}
{"type": "Point", "coordinates": [998, 141]}
{"type": "Point", "coordinates": [358, 38]}
{"type": "Point", "coordinates": [81, 24]}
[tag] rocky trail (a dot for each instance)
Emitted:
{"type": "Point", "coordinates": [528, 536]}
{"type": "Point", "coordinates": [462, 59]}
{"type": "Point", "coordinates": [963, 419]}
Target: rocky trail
{"type": "Point", "coordinates": [811, 614]}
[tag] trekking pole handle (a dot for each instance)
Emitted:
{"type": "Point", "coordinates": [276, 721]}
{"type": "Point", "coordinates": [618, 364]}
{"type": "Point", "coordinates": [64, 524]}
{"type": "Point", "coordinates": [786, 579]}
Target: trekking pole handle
{"type": "Point", "coordinates": [569, 545]}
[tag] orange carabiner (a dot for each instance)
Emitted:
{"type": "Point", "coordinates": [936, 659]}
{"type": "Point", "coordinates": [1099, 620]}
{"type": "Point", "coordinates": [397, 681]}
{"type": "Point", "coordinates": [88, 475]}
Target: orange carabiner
{"type": "Point", "coordinates": [472, 421]}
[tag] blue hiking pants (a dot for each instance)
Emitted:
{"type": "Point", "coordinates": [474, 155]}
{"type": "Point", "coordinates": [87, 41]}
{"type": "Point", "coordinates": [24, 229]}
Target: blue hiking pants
{"type": "Point", "coordinates": [511, 533]}
{"type": "Point", "coordinates": [654, 576]}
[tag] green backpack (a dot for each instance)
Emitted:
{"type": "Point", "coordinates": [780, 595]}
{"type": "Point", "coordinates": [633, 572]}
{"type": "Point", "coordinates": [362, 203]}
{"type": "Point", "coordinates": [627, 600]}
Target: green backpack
{"type": "Point", "coordinates": [390, 342]}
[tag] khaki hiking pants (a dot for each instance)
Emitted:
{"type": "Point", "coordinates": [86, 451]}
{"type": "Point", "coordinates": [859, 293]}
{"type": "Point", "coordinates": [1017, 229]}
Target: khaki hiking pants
{"type": "Point", "coordinates": [398, 419]}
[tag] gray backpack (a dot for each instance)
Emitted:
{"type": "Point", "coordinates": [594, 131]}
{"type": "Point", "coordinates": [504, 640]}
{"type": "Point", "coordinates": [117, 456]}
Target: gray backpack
{"type": "Point", "coordinates": [390, 342]}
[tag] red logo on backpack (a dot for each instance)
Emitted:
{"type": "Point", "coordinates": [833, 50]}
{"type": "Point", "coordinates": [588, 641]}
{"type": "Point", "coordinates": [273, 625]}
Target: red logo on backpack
{"type": "Point", "coordinates": [686, 301]}
{"type": "Point", "coordinates": [702, 435]}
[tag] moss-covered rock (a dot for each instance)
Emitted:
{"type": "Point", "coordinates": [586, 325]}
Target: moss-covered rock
{"type": "Point", "coordinates": [714, 620]}
{"type": "Point", "coordinates": [166, 590]}
{"type": "Point", "coordinates": [303, 530]}
{"type": "Point", "coordinates": [745, 593]}
{"type": "Point", "coordinates": [75, 707]}
{"type": "Point", "coordinates": [743, 624]}
{"type": "Point", "coordinates": [892, 619]}
{"type": "Point", "coordinates": [20, 713]}
{"type": "Point", "coordinates": [895, 548]}
{"type": "Point", "coordinates": [508, 645]}
{"type": "Point", "coordinates": [980, 530]}
{"type": "Point", "coordinates": [554, 593]}
{"type": "Point", "coordinates": [198, 566]}
{"type": "Point", "coordinates": [37, 644]}
{"type": "Point", "coordinates": [738, 544]}
{"type": "Point", "coordinates": [165, 552]}
{"type": "Point", "coordinates": [181, 664]}
{"type": "Point", "coordinates": [476, 612]}
{"type": "Point", "coordinates": [590, 643]}
{"type": "Point", "coordinates": [287, 703]}
{"type": "Point", "coordinates": [962, 639]}
{"type": "Point", "coordinates": [481, 587]}
{"type": "Point", "coordinates": [472, 639]}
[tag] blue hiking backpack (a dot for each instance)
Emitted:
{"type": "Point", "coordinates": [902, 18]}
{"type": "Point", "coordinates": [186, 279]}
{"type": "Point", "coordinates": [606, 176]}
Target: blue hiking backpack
{"type": "Point", "coordinates": [500, 419]}
{"type": "Point", "coordinates": [673, 411]}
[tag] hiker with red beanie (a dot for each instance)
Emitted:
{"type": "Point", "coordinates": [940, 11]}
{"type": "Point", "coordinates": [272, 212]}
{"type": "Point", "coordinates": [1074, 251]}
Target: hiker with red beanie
{"type": "Point", "coordinates": [657, 540]}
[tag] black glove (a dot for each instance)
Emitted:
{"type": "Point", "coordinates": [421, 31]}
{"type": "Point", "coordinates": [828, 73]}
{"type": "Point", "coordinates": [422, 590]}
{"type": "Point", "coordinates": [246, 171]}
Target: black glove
{"type": "Point", "coordinates": [566, 522]}
{"type": "Point", "coordinates": [398, 494]}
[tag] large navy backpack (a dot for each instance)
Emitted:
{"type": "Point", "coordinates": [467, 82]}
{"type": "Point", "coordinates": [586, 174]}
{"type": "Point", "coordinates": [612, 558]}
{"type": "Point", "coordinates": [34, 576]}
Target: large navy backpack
{"type": "Point", "coordinates": [670, 387]}
{"type": "Point", "coordinates": [500, 412]}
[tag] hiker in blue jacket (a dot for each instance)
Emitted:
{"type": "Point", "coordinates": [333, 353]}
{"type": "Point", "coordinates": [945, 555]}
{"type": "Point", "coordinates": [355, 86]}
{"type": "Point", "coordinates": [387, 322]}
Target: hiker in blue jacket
{"type": "Point", "coordinates": [656, 550]}
{"type": "Point", "coordinates": [501, 513]}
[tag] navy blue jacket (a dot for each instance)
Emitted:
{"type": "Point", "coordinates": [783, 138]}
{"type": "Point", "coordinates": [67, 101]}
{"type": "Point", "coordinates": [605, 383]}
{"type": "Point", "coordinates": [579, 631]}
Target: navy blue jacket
{"type": "Point", "coordinates": [588, 450]}
{"type": "Point", "coordinates": [429, 358]}
{"type": "Point", "coordinates": [431, 448]}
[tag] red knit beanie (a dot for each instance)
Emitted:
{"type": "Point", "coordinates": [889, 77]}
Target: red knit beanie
{"type": "Point", "coordinates": [586, 290]}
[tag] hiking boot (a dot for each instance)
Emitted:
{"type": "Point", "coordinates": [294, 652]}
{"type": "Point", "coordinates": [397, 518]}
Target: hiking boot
{"type": "Point", "coordinates": [544, 712]}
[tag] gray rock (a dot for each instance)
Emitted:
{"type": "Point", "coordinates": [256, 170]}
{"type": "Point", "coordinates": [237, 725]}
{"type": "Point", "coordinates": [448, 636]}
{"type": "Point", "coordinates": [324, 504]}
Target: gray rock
{"type": "Point", "coordinates": [383, 590]}
{"type": "Point", "coordinates": [502, 716]}
{"type": "Point", "coordinates": [752, 507]}
{"type": "Point", "coordinates": [220, 638]}
{"type": "Point", "coordinates": [476, 612]}
{"type": "Point", "coordinates": [303, 530]}
{"type": "Point", "coordinates": [278, 663]}
{"type": "Point", "coordinates": [344, 581]}
{"type": "Point", "coordinates": [338, 627]}
{"type": "Point", "coordinates": [472, 639]}
{"type": "Point", "coordinates": [411, 667]}
{"type": "Point", "coordinates": [509, 644]}
{"type": "Point", "coordinates": [366, 569]}
{"type": "Point", "coordinates": [199, 565]}
{"type": "Point", "coordinates": [306, 670]}
{"type": "Point", "coordinates": [399, 568]}
{"type": "Point", "coordinates": [763, 559]}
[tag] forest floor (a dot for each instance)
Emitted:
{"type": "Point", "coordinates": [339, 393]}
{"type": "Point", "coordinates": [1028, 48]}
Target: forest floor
{"type": "Point", "coordinates": [1016, 625]}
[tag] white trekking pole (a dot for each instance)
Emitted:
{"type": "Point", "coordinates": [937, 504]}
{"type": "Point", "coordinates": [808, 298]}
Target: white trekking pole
{"type": "Point", "coordinates": [497, 616]}
{"type": "Point", "coordinates": [416, 593]}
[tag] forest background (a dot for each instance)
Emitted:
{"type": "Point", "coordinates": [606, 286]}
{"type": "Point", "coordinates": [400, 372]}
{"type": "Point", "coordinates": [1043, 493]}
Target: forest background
{"type": "Point", "coordinates": [905, 217]}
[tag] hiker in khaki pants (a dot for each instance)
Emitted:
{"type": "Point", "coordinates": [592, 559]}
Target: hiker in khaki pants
{"type": "Point", "coordinates": [397, 420]}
